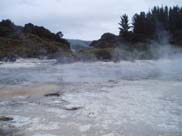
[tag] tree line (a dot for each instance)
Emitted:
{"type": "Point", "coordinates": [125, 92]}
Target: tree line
{"type": "Point", "coordinates": [146, 25]}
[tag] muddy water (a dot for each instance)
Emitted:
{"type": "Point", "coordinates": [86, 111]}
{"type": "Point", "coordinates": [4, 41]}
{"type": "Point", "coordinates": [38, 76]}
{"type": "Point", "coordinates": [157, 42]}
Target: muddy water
{"type": "Point", "coordinates": [141, 98]}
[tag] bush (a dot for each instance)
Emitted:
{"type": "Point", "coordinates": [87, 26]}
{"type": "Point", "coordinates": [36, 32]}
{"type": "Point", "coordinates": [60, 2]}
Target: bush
{"type": "Point", "coordinates": [6, 28]}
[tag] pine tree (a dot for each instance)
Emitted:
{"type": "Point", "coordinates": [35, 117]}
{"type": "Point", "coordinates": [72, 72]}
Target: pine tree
{"type": "Point", "coordinates": [124, 26]}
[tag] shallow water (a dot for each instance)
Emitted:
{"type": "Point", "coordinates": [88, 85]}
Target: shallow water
{"type": "Point", "coordinates": [141, 98]}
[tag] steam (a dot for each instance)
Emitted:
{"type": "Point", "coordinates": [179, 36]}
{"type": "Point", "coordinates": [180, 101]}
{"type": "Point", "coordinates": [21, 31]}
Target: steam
{"type": "Point", "coordinates": [162, 61]}
{"type": "Point", "coordinates": [162, 48]}
{"type": "Point", "coordinates": [29, 72]}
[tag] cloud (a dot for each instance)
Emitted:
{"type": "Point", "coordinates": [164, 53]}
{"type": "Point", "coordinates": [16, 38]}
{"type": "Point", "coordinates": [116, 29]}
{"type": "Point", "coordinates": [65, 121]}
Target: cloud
{"type": "Point", "coordinates": [78, 19]}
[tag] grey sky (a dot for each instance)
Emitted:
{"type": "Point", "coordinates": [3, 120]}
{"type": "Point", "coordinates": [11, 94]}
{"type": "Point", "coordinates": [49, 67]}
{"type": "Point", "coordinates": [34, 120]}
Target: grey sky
{"type": "Point", "coordinates": [77, 19]}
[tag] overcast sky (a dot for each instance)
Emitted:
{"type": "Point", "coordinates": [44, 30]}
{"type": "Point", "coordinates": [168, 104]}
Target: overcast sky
{"type": "Point", "coordinates": [77, 19]}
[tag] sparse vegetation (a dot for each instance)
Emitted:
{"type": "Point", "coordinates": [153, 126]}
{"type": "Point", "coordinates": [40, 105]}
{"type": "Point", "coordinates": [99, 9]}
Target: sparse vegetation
{"type": "Point", "coordinates": [29, 41]}
{"type": "Point", "coordinates": [158, 24]}
{"type": "Point", "coordinates": [33, 41]}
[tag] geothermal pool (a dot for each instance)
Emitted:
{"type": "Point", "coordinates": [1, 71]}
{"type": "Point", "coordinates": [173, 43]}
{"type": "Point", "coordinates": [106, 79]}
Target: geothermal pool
{"type": "Point", "coordinates": [140, 98]}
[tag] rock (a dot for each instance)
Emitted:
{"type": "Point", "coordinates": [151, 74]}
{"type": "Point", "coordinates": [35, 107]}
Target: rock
{"type": "Point", "coordinates": [4, 118]}
{"type": "Point", "coordinates": [73, 108]}
{"type": "Point", "coordinates": [52, 95]}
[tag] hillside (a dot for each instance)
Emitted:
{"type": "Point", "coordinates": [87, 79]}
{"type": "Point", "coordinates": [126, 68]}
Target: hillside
{"type": "Point", "coordinates": [30, 41]}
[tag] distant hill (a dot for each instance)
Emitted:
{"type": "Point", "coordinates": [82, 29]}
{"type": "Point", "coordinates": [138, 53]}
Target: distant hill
{"type": "Point", "coordinates": [77, 45]}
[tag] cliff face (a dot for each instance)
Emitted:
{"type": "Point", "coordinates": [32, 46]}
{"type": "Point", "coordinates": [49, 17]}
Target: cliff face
{"type": "Point", "coordinates": [30, 41]}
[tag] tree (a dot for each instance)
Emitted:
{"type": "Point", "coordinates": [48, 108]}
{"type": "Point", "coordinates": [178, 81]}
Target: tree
{"type": "Point", "coordinates": [139, 23]}
{"type": "Point", "coordinates": [124, 26]}
{"type": "Point", "coordinates": [60, 34]}
{"type": "Point", "coordinates": [7, 27]}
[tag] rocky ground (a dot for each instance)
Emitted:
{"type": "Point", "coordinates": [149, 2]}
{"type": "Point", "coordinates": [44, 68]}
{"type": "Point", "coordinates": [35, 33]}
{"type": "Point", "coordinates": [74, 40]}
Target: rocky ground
{"type": "Point", "coordinates": [103, 109]}
{"type": "Point", "coordinates": [80, 99]}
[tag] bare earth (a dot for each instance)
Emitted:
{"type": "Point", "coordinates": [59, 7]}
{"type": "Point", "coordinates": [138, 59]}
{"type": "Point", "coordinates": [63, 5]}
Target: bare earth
{"type": "Point", "coordinates": [96, 99]}
{"type": "Point", "coordinates": [26, 91]}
